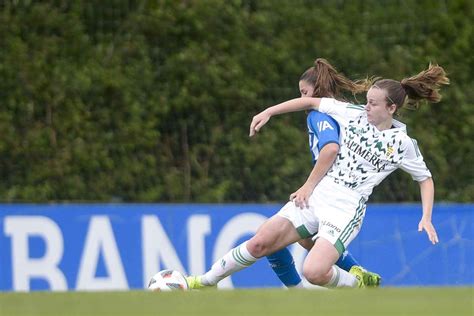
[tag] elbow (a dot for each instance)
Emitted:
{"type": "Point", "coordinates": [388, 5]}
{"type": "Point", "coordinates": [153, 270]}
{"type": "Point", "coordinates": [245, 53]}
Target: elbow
{"type": "Point", "coordinates": [331, 150]}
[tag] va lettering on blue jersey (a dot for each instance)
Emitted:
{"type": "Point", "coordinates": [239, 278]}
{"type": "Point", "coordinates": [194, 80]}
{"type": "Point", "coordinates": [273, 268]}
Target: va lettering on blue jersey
{"type": "Point", "coordinates": [322, 129]}
{"type": "Point", "coordinates": [322, 125]}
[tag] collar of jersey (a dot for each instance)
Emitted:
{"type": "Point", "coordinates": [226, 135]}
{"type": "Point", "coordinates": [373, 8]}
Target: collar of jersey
{"type": "Point", "coordinates": [399, 125]}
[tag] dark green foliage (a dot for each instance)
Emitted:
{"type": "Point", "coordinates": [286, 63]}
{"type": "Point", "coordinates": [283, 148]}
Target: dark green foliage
{"type": "Point", "coordinates": [150, 101]}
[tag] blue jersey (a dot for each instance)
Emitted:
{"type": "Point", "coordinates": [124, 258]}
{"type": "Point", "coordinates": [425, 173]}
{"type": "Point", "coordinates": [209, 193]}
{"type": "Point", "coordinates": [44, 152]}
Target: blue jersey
{"type": "Point", "coordinates": [322, 130]}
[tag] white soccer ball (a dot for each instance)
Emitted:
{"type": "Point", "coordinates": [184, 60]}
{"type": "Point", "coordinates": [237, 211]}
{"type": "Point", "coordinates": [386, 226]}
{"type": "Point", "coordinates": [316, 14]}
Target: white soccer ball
{"type": "Point", "coordinates": [168, 280]}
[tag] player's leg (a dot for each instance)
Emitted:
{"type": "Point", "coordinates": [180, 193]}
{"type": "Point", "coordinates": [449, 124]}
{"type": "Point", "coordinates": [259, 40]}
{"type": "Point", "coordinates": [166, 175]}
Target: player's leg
{"type": "Point", "coordinates": [283, 265]}
{"type": "Point", "coordinates": [290, 224]}
{"type": "Point", "coordinates": [274, 234]}
{"type": "Point", "coordinates": [341, 212]}
{"type": "Point", "coordinates": [346, 261]}
{"type": "Point", "coordinates": [320, 269]}
{"type": "Point", "coordinates": [282, 261]}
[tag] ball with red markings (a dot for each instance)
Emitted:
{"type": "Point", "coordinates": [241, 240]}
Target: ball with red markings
{"type": "Point", "coordinates": [168, 280]}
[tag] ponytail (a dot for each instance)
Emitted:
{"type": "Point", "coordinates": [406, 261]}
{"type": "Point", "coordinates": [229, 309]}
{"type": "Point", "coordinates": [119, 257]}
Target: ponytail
{"type": "Point", "coordinates": [425, 85]}
{"type": "Point", "coordinates": [410, 91]}
{"type": "Point", "coordinates": [328, 82]}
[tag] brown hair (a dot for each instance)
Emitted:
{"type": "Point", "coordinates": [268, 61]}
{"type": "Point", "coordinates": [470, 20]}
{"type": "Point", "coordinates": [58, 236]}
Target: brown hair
{"type": "Point", "coordinates": [410, 91]}
{"type": "Point", "coordinates": [327, 82]}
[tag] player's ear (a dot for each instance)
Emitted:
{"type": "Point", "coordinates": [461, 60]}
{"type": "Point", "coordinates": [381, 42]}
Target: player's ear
{"type": "Point", "coordinates": [392, 108]}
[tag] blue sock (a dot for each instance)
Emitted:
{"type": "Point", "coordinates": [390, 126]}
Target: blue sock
{"type": "Point", "coordinates": [284, 266]}
{"type": "Point", "coordinates": [346, 261]}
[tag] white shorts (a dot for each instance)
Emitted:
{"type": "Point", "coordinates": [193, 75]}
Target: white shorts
{"type": "Point", "coordinates": [335, 213]}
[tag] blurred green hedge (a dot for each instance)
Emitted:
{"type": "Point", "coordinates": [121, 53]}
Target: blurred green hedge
{"type": "Point", "coordinates": [150, 101]}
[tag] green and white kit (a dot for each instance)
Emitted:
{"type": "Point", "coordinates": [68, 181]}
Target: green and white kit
{"type": "Point", "coordinates": [366, 157]}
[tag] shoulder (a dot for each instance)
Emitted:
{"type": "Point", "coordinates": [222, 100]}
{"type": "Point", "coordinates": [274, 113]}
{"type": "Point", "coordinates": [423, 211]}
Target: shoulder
{"type": "Point", "coordinates": [330, 102]}
{"type": "Point", "coordinates": [407, 144]}
{"type": "Point", "coordinates": [403, 137]}
{"type": "Point", "coordinates": [316, 117]}
{"type": "Point", "coordinates": [397, 137]}
{"type": "Point", "coordinates": [340, 110]}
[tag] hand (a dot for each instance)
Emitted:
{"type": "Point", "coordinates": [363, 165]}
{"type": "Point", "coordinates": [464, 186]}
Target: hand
{"type": "Point", "coordinates": [258, 121]}
{"type": "Point", "coordinates": [301, 196]}
{"type": "Point", "coordinates": [426, 225]}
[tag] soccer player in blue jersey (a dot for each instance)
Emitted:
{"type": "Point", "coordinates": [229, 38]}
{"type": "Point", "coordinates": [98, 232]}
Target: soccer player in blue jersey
{"type": "Point", "coordinates": [324, 135]}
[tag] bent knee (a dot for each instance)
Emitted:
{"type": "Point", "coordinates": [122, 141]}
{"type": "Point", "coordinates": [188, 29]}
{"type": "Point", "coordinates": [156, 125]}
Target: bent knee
{"type": "Point", "coordinates": [317, 275]}
{"type": "Point", "coordinates": [258, 247]}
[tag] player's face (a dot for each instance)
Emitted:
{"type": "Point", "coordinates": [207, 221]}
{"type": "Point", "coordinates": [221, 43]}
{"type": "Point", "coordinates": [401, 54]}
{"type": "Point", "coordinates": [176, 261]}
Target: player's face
{"type": "Point", "coordinates": [377, 109]}
{"type": "Point", "coordinates": [306, 89]}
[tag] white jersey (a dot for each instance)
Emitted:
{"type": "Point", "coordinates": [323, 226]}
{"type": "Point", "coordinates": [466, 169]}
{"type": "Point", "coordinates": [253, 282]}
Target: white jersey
{"type": "Point", "coordinates": [367, 155]}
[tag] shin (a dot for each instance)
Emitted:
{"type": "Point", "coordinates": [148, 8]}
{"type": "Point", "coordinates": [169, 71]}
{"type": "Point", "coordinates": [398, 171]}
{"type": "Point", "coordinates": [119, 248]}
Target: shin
{"type": "Point", "coordinates": [273, 235]}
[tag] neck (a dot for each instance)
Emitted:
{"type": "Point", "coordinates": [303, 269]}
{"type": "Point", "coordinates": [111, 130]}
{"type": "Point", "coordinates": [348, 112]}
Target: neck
{"type": "Point", "coordinates": [384, 125]}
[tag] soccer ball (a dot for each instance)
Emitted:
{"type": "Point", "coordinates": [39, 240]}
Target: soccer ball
{"type": "Point", "coordinates": [168, 280]}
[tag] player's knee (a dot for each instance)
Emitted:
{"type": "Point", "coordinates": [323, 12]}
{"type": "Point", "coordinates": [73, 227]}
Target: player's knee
{"type": "Point", "coordinates": [315, 274]}
{"type": "Point", "coordinates": [258, 247]}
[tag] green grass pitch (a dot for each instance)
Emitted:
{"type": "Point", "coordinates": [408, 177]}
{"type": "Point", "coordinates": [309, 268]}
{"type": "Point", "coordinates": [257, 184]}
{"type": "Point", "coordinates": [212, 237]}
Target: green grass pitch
{"type": "Point", "coordinates": [267, 302]}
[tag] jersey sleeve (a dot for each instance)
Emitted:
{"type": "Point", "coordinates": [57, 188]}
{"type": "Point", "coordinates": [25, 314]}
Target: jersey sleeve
{"type": "Point", "coordinates": [325, 128]}
{"type": "Point", "coordinates": [413, 162]}
{"type": "Point", "coordinates": [342, 112]}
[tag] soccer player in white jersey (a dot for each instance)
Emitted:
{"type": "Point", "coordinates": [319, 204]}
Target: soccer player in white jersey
{"type": "Point", "coordinates": [320, 80]}
{"type": "Point", "coordinates": [373, 145]}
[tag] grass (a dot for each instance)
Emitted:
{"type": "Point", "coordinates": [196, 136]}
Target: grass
{"type": "Point", "coordinates": [266, 302]}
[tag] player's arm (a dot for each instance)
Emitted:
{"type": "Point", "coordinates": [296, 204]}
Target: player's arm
{"type": "Point", "coordinates": [327, 155]}
{"type": "Point", "coordinates": [326, 130]}
{"type": "Point", "coordinates": [427, 198]}
{"type": "Point", "coordinates": [414, 164]}
{"type": "Point", "coordinates": [294, 105]}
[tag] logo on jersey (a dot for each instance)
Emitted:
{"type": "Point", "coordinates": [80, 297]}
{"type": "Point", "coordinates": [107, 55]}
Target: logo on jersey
{"type": "Point", "coordinates": [389, 150]}
{"type": "Point", "coordinates": [365, 153]}
{"type": "Point", "coordinates": [323, 125]}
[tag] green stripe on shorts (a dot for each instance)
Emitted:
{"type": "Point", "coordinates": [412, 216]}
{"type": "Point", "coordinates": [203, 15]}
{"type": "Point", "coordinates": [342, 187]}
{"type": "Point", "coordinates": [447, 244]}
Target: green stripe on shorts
{"type": "Point", "coordinates": [303, 232]}
{"type": "Point", "coordinates": [346, 233]}
{"type": "Point", "coordinates": [339, 247]}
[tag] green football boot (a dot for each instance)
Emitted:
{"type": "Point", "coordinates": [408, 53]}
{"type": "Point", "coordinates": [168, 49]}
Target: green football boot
{"type": "Point", "coordinates": [373, 280]}
{"type": "Point", "coordinates": [361, 275]}
{"type": "Point", "coordinates": [194, 283]}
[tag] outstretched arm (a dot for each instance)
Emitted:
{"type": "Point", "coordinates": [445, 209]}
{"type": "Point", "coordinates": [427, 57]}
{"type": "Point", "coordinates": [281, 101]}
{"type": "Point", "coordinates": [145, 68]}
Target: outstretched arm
{"type": "Point", "coordinates": [427, 197]}
{"type": "Point", "coordinates": [294, 105]}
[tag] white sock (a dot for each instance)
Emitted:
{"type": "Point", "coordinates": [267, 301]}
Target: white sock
{"type": "Point", "coordinates": [235, 260]}
{"type": "Point", "coordinates": [341, 278]}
